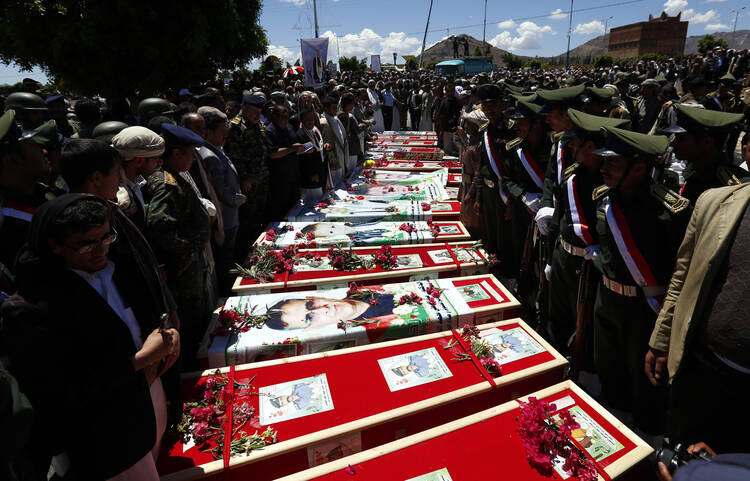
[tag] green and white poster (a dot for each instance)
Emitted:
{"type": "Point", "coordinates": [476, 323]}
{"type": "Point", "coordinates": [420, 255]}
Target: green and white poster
{"type": "Point", "coordinates": [413, 369]}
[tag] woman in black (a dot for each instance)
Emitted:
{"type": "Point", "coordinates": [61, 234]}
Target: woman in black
{"type": "Point", "coordinates": [313, 168]}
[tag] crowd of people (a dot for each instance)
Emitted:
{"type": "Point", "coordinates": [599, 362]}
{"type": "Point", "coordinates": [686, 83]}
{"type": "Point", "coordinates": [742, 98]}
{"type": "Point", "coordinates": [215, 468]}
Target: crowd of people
{"type": "Point", "coordinates": [611, 200]}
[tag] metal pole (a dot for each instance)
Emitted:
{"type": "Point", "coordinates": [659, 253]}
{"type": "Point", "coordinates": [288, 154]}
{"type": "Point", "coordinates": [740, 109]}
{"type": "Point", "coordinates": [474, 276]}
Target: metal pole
{"type": "Point", "coordinates": [315, 14]}
{"type": "Point", "coordinates": [570, 27]}
{"type": "Point", "coordinates": [605, 24]}
{"type": "Point", "coordinates": [484, 29]}
{"type": "Point", "coordinates": [734, 29]}
{"type": "Point", "coordinates": [424, 40]}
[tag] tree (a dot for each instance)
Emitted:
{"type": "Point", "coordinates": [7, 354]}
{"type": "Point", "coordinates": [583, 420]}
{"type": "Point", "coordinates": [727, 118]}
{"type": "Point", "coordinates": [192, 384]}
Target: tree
{"type": "Point", "coordinates": [533, 64]}
{"type": "Point", "coordinates": [601, 61]}
{"type": "Point", "coordinates": [512, 61]}
{"type": "Point", "coordinates": [296, 63]}
{"type": "Point", "coordinates": [119, 47]}
{"type": "Point", "coordinates": [411, 63]}
{"type": "Point", "coordinates": [708, 42]}
{"type": "Point", "coordinates": [351, 64]}
{"type": "Point", "coordinates": [477, 52]}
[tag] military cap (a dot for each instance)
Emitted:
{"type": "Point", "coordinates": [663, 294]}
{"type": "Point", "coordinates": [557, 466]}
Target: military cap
{"type": "Point", "coordinates": [584, 123]}
{"type": "Point", "coordinates": [695, 119]}
{"type": "Point", "coordinates": [138, 141]}
{"type": "Point", "coordinates": [620, 142]}
{"type": "Point", "coordinates": [560, 98]}
{"type": "Point", "coordinates": [488, 93]}
{"type": "Point", "coordinates": [48, 136]}
{"type": "Point", "coordinates": [650, 82]}
{"type": "Point", "coordinates": [527, 110]}
{"type": "Point", "coordinates": [106, 130]}
{"type": "Point", "coordinates": [21, 101]}
{"type": "Point", "coordinates": [254, 100]}
{"type": "Point", "coordinates": [570, 80]}
{"type": "Point", "coordinates": [661, 78]}
{"type": "Point", "coordinates": [622, 79]}
{"type": "Point", "coordinates": [175, 134]}
{"type": "Point", "coordinates": [278, 94]}
{"type": "Point", "coordinates": [11, 131]}
{"type": "Point", "coordinates": [727, 78]}
{"type": "Point", "coordinates": [603, 94]}
{"type": "Point", "coordinates": [152, 107]}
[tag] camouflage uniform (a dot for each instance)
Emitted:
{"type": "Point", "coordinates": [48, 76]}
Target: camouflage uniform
{"type": "Point", "coordinates": [246, 147]}
{"type": "Point", "coordinates": [179, 228]}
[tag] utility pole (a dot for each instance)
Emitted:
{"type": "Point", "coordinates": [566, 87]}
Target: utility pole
{"type": "Point", "coordinates": [315, 15]}
{"type": "Point", "coordinates": [734, 30]}
{"type": "Point", "coordinates": [605, 24]}
{"type": "Point", "coordinates": [570, 28]}
{"type": "Point", "coordinates": [484, 29]}
{"type": "Point", "coordinates": [424, 40]}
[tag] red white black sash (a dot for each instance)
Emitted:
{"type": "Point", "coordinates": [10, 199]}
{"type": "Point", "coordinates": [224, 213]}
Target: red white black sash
{"type": "Point", "coordinates": [580, 224]}
{"type": "Point", "coordinates": [630, 253]}
{"type": "Point", "coordinates": [560, 162]}
{"type": "Point", "coordinates": [532, 168]}
{"type": "Point", "coordinates": [490, 149]}
{"type": "Point", "coordinates": [17, 210]}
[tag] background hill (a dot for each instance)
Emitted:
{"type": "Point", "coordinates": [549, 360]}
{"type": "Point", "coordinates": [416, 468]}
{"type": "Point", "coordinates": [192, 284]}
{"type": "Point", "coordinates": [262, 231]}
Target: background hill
{"type": "Point", "coordinates": [443, 50]}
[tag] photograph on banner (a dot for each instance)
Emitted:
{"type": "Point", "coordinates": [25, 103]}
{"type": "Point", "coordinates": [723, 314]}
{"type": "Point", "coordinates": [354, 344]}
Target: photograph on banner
{"type": "Point", "coordinates": [426, 191]}
{"type": "Point", "coordinates": [406, 261]}
{"type": "Point", "coordinates": [294, 399]}
{"type": "Point", "coordinates": [513, 344]}
{"type": "Point", "coordinates": [314, 320]}
{"type": "Point", "coordinates": [328, 234]}
{"type": "Point", "coordinates": [314, 60]}
{"type": "Point", "coordinates": [473, 292]}
{"type": "Point", "coordinates": [413, 369]}
{"type": "Point", "coordinates": [439, 475]}
{"type": "Point", "coordinates": [375, 63]}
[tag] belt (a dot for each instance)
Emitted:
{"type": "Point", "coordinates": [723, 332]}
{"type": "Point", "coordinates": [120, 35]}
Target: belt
{"type": "Point", "coordinates": [571, 249]}
{"type": "Point", "coordinates": [633, 291]}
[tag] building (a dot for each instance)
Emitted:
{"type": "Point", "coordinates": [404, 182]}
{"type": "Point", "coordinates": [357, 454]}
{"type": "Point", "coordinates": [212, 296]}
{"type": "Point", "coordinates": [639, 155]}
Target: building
{"type": "Point", "coordinates": [663, 35]}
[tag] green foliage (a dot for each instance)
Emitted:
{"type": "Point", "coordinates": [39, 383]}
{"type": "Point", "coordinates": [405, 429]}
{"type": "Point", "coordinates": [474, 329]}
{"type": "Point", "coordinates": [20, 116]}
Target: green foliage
{"type": "Point", "coordinates": [430, 65]}
{"type": "Point", "coordinates": [533, 64]}
{"type": "Point", "coordinates": [412, 63]}
{"type": "Point", "coordinates": [118, 47]}
{"type": "Point", "coordinates": [351, 64]}
{"type": "Point", "coordinates": [708, 42]}
{"type": "Point", "coordinates": [601, 61]}
{"type": "Point", "coordinates": [512, 61]}
{"type": "Point", "coordinates": [477, 52]}
{"type": "Point", "coordinates": [296, 63]}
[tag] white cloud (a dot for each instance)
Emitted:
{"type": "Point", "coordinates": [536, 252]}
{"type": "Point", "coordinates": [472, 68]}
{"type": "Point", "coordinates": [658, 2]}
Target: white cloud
{"type": "Point", "coordinates": [715, 1]}
{"type": "Point", "coordinates": [673, 7]}
{"type": "Point", "coordinates": [297, 3]}
{"type": "Point", "coordinates": [528, 37]}
{"type": "Point", "coordinates": [285, 54]}
{"type": "Point", "coordinates": [557, 14]}
{"type": "Point", "coordinates": [714, 27]}
{"type": "Point", "coordinates": [368, 42]}
{"type": "Point", "coordinates": [506, 25]}
{"type": "Point", "coordinates": [711, 16]}
{"type": "Point", "coordinates": [594, 26]}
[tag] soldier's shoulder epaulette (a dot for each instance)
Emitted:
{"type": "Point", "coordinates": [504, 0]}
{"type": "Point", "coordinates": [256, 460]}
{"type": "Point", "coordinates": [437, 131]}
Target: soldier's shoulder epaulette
{"type": "Point", "coordinates": [599, 191]}
{"type": "Point", "coordinates": [484, 127]}
{"type": "Point", "coordinates": [569, 170]}
{"type": "Point", "coordinates": [673, 201]}
{"type": "Point", "coordinates": [726, 176]}
{"type": "Point", "coordinates": [237, 120]}
{"type": "Point", "coordinates": [512, 144]}
{"type": "Point", "coordinates": [510, 123]}
{"type": "Point", "coordinates": [557, 136]}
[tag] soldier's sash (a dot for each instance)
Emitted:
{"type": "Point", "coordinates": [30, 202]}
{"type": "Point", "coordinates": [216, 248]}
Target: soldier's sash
{"type": "Point", "coordinates": [532, 168]}
{"type": "Point", "coordinates": [560, 162]}
{"type": "Point", "coordinates": [630, 253]}
{"type": "Point", "coordinates": [580, 224]}
{"type": "Point", "coordinates": [17, 210]}
{"type": "Point", "coordinates": [494, 165]}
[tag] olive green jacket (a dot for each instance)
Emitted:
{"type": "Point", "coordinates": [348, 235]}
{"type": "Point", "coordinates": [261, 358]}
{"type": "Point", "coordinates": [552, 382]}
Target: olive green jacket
{"type": "Point", "coordinates": [707, 242]}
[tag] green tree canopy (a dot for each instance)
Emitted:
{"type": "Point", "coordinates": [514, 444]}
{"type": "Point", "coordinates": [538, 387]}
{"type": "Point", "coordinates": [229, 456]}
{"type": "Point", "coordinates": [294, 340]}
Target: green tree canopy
{"type": "Point", "coordinates": [601, 61]}
{"type": "Point", "coordinates": [533, 64]}
{"type": "Point", "coordinates": [351, 64]}
{"type": "Point", "coordinates": [118, 47]}
{"type": "Point", "coordinates": [411, 63]}
{"type": "Point", "coordinates": [708, 42]}
{"type": "Point", "coordinates": [512, 61]}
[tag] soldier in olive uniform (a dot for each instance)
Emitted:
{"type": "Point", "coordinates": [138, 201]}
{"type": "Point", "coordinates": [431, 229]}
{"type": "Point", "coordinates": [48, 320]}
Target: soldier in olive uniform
{"type": "Point", "coordinates": [640, 227]}
{"type": "Point", "coordinates": [246, 147]}
{"type": "Point", "coordinates": [576, 212]}
{"type": "Point", "coordinates": [179, 229]}
{"type": "Point", "coordinates": [700, 136]}
{"type": "Point", "coordinates": [492, 200]}
{"type": "Point", "coordinates": [523, 178]}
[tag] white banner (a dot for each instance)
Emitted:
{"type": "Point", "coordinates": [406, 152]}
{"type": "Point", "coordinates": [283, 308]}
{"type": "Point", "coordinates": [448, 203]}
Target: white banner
{"type": "Point", "coordinates": [314, 59]}
{"type": "Point", "coordinates": [375, 63]}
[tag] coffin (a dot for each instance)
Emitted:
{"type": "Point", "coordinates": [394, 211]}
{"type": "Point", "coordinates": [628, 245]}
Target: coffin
{"type": "Point", "coordinates": [355, 401]}
{"type": "Point", "coordinates": [486, 445]}
{"type": "Point", "coordinates": [430, 261]}
{"type": "Point", "coordinates": [357, 234]}
{"type": "Point", "coordinates": [407, 133]}
{"type": "Point", "coordinates": [398, 142]}
{"type": "Point", "coordinates": [389, 163]}
{"type": "Point", "coordinates": [408, 153]}
{"type": "Point", "coordinates": [313, 321]}
{"type": "Point", "coordinates": [354, 210]}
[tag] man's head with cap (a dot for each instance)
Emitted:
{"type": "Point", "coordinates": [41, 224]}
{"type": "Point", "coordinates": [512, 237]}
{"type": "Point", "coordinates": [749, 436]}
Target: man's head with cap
{"type": "Point", "coordinates": [180, 144]}
{"type": "Point", "coordinates": [527, 119]}
{"type": "Point", "coordinates": [556, 103]}
{"type": "Point", "coordinates": [140, 149]}
{"type": "Point", "coordinates": [700, 134]}
{"type": "Point", "coordinates": [217, 125]}
{"type": "Point", "coordinates": [251, 107]}
{"type": "Point", "coordinates": [586, 136]}
{"type": "Point", "coordinates": [628, 157]}
{"type": "Point", "coordinates": [30, 109]}
{"type": "Point", "coordinates": [106, 130]}
{"type": "Point", "coordinates": [22, 161]}
{"type": "Point", "coordinates": [493, 104]}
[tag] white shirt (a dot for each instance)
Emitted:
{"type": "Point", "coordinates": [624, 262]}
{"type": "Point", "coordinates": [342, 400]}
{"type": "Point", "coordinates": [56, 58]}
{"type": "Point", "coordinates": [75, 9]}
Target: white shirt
{"type": "Point", "coordinates": [335, 124]}
{"type": "Point", "coordinates": [136, 187]}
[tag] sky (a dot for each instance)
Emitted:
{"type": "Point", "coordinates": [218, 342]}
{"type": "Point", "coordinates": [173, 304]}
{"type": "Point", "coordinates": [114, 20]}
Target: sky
{"type": "Point", "coordinates": [532, 28]}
